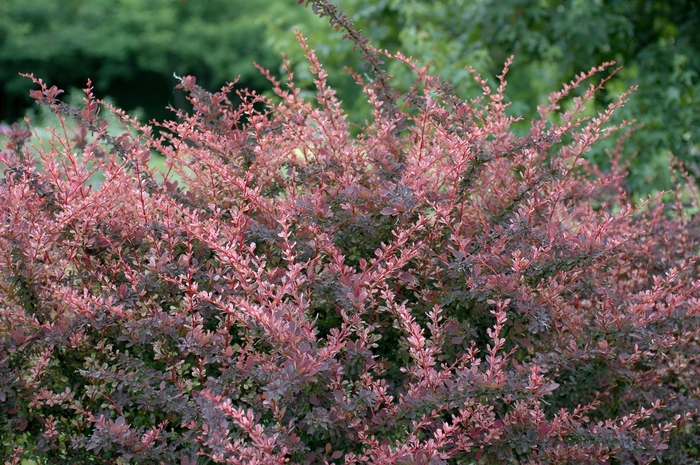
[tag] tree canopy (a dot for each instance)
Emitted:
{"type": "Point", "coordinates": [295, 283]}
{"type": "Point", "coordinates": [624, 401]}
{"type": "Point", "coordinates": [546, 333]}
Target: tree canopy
{"type": "Point", "coordinates": [131, 48]}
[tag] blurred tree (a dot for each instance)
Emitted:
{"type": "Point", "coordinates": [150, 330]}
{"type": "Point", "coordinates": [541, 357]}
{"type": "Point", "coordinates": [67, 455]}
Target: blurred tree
{"type": "Point", "coordinates": [656, 41]}
{"type": "Point", "coordinates": [130, 48]}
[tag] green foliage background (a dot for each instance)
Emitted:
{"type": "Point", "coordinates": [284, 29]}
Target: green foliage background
{"type": "Point", "coordinates": [131, 48]}
{"type": "Point", "coordinates": [656, 42]}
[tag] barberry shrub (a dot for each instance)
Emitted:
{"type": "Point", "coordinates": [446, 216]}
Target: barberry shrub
{"type": "Point", "coordinates": [427, 288]}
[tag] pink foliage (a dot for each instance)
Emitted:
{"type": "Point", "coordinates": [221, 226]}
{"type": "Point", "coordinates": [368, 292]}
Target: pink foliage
{"type": "Point", "coordinates": [428, 288]}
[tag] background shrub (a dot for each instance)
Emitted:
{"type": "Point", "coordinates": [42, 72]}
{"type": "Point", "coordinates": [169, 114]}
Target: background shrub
{"type": "Point", "coordinates": [433, 289]}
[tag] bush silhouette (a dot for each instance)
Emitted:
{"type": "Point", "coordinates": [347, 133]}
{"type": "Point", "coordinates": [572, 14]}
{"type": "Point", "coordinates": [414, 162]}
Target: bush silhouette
{"type": "Point", "coordinates": [424, 289]}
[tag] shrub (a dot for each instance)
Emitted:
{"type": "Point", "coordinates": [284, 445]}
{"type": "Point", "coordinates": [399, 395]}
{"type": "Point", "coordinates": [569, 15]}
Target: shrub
{"type": "Point", "coordinates": [429, 290]}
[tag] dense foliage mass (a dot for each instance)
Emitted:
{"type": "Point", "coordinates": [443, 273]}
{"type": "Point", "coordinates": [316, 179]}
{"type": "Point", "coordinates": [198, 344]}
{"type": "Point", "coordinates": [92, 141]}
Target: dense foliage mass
{"type": "Point", "coordinates": [431, 290]}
